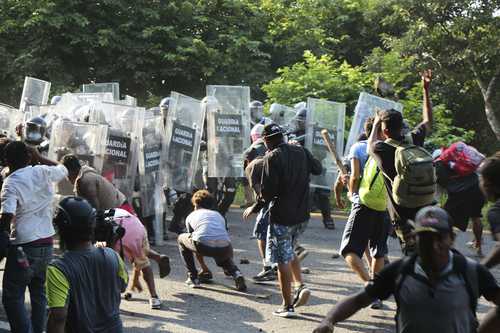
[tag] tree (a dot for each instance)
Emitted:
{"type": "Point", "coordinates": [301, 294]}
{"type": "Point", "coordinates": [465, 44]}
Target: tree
{"type": "Point", "coordinates": [459, 39]}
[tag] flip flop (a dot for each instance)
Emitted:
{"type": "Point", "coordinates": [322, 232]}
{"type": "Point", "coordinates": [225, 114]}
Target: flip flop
{"type": "Point", "coordinates": [164, 265]}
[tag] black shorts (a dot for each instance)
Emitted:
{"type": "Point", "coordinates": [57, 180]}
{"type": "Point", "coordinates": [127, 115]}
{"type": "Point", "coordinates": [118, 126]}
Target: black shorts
{"type": "Point", "coordinates": [365, 227]}
{"type": "Point", "coordinates": [465, 205]}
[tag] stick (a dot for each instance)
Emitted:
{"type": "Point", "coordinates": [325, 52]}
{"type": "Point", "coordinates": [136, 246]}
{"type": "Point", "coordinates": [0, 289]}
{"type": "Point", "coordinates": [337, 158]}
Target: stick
{"type": "Point", "coordinates": [333, 151]}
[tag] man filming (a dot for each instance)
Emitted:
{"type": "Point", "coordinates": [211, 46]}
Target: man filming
{"type": "Point", "coordinates": [85, 283]}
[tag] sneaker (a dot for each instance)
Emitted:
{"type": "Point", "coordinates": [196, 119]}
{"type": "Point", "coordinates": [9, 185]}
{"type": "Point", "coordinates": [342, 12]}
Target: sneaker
{"type": "Point", "coordinates": [239, 281]}
{"type": "Point", "coordinates": [301, 296]}
{"type": "Point", "coordinates": [267, 274]}
{"type": "Point", "coordinates": [301, 253]}
{"type": "Point", "coordinates": [329, 224]}
{"type": "Point", "coordinates": [205, 277]}
{"type": "Point", "coordinates": [377, 304]}
{"type": "Point", "coordinates": [164, 265]}
{"type": "Point", "coordinates": [285, 312]}
{"type": "Point", "coordinates": [155, 303]}
{"type": "Point", "coordinates": [127, 296]}
{"type": "Point", "coordinates": [193, 282]}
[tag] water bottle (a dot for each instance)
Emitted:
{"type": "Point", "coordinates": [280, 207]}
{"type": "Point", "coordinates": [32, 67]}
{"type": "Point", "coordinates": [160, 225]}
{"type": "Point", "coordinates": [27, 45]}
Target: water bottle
{"type": "Point", "coordinates": [22, 258]}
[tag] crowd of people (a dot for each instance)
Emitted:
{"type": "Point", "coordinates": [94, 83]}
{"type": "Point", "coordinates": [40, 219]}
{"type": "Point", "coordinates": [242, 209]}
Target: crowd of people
{"type": "Point", "coordinates": [394, 185]}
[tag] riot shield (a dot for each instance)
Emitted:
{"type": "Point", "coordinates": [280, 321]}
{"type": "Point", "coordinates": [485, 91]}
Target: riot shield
{"type": "Point", "coordinates": [367, 104]}
{"type": "Point", "coordinates": [323, 114]}
{"type": "Point", "coordinates": [283, 115]}
{"type": "Point", "coordinates": [35, 92]}
{"type": "Point", "coordinates": [10, 117]}
{"type": "Point", "coordinates": [86, 141]}
{"type": "Point", "coordinates": [151, 144]}
{"type": "Point", "coordinates": [110, 87]}
{"type": "Point", "coordinates": [120, 159]}
{"type": "Point", "coordinates": [184, 129]}
{"type": "Point", "coordinates": [228, 130]}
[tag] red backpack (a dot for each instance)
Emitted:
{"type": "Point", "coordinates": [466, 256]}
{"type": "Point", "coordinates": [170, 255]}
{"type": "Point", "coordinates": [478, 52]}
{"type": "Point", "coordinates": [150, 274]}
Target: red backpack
{"type": "Point", "coordinates": [461, 158]}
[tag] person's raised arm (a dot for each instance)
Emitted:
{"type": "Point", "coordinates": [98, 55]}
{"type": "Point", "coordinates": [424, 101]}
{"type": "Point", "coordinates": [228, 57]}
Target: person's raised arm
{"type": "Point", "coordinates": [373, 138]}
{"type": "Point", "coordinates": [427, 107]}
{"type": "Point", "coordinates": [37, 158]}
{"type": "Point", "coordinates": [343, 310]}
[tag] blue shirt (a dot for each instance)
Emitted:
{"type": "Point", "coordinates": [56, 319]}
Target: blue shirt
{"type": "Point", "coordinates": [359, 151]}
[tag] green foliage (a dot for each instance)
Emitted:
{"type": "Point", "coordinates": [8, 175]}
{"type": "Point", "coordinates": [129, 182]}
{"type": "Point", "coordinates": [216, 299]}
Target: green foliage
{"type": "Point", "coordinates": [318, 77]}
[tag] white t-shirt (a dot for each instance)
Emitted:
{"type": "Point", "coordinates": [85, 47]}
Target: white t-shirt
{"type": "Point", "coordinates": [208, 225]}
{"type": "Point", "coordinates": [28, 194]}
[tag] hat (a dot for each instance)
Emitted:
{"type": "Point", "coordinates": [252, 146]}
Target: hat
{"type": "Point", "coordinates": [432, 219]}
{"type": "Point", "coordinates": [272, 130]}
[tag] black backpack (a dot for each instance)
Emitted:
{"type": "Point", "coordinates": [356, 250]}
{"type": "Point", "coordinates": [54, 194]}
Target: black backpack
{"type": "Point", "coordinates": [463, 266]}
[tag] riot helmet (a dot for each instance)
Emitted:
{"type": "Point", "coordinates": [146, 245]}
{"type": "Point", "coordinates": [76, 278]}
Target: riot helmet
{"type": "Point", "coordinates": [300, 119]}
{"type": "Point", "coordinates": [165, 105]}
{"type": "Point", "coordinates": [35, 130]}
{"type": "Point", "coordinates": [256, 111]}
{"type": "Point", "coordinates": [55, 99]}
{"type": "Point", "coordinates": [210, 104]}
{"type": "Point", "coordinates": [300, 105]}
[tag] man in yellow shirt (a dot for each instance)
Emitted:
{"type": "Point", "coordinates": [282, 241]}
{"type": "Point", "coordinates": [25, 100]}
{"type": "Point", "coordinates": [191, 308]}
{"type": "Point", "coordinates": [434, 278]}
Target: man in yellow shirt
{"type": "Point", "coordinates": [84, 284]}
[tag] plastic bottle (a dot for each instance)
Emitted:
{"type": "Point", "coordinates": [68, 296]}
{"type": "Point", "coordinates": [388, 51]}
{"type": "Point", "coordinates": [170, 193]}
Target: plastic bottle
{"type": "Point", "coordinates": [22, 258]}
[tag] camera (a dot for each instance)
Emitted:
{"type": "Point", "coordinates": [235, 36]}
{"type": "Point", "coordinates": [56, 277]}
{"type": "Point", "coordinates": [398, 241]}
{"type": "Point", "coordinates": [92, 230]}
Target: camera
{"type": "Point", "coordinates": [106, 229]}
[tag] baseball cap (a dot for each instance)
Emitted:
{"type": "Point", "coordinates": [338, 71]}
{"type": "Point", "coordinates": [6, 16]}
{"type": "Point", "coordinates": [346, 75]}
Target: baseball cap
{"type": "Point", "coordinates": [271, 130]}
{"type": "Point", "coordinates": [432, 219]}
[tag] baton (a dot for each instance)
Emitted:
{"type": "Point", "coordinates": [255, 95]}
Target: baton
{"type": "Point", "coordinates": [333, 151]}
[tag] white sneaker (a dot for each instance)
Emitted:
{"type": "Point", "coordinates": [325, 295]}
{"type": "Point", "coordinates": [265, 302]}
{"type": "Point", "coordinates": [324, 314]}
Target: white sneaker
{"type": "Point", "coordinates": [155, 303]}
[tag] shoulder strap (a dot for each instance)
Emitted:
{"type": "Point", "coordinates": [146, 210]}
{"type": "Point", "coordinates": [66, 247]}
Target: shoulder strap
{"type": "Point", "coordinates": [405, 268]}
{"type": "Point", "coordinates": [374, 178]}
{"type": "Point", "coordinates": [468, 270]}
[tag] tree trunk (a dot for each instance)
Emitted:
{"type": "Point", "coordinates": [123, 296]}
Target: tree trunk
{"type": "Point", "coordinates": [493, 115]}
{"type": "Point", "coordinates": [491, 97]}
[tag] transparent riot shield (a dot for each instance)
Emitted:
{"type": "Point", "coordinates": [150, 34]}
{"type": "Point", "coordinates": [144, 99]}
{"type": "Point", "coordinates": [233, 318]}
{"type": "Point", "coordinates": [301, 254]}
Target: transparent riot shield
{"type": "Point", "coordinates": [86, 141]}
{"type": "Point", "coordinates": [110, 87]}
{"type": "Point", "coordinates": [367, 104]}
{"type": "Point", "coordinates": [128, 100]}
{"type": "Point", "coordinates": [35, 92]}
{"type": "Point", "coordinates": [10, 117]}
{"type": "Point", "coordinates": [124, 126]}
{"type": "Point", "coordinates": [283, 115]}
{"type": "Point", "coordinates": [228, 129]}
{"type": "Point", "coordinates": [323, 114]}
{"type": "Point", "coordinates": [151, 178]}
{"type": "Point", "coordinates": [184, 129]}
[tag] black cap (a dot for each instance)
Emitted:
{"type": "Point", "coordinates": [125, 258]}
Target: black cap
{"type": "Point", "coordinates": [272, 130]}
{"type": "Point", "coordinates": [433, 219]}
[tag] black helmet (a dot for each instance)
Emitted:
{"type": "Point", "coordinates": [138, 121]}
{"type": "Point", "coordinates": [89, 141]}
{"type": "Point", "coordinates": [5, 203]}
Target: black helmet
{"type": "Point", "coordinates": [302, 113]}
{"type": "Point", "coordinates": [76, 214]}
{"type": "Point", "coordinates": [165, 102]}
{"type": "Point", "coordinates": [35, 130]}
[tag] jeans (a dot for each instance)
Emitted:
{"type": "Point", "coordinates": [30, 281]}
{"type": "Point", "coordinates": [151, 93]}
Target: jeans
{"type": "Point", "coordinates": [16, 279]}
{"type": "Point", "coordinates": [223, 256]}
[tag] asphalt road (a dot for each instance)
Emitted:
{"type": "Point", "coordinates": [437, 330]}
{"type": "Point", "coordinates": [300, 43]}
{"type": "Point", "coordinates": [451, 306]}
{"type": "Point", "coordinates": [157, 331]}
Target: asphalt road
{"type": "Point", "coordinates": [218, 307]}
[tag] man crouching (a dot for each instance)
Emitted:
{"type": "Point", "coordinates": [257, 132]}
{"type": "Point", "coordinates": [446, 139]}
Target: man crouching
{"type": "Point", "coordinates": [207, 237]}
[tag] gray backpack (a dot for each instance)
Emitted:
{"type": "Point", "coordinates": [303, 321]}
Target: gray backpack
{"type": "Point", "coordinates": [415, 181]}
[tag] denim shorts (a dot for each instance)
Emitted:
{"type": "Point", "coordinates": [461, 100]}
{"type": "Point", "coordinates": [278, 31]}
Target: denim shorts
{"type": "Point", "coordinates": [281, 240]}
{"type": "Point", "coordinates": [261, 224]}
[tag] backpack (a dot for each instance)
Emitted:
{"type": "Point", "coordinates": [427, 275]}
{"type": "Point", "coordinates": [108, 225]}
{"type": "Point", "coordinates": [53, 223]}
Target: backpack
{"type": "Point", "coordinates": [415, 182]}
{"type": "Point", "coordinates": [462, 265]}
{"type": "Point", "coordinates": [372, 188]}
{"type": "Point", "coordinates": [461, 158]}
